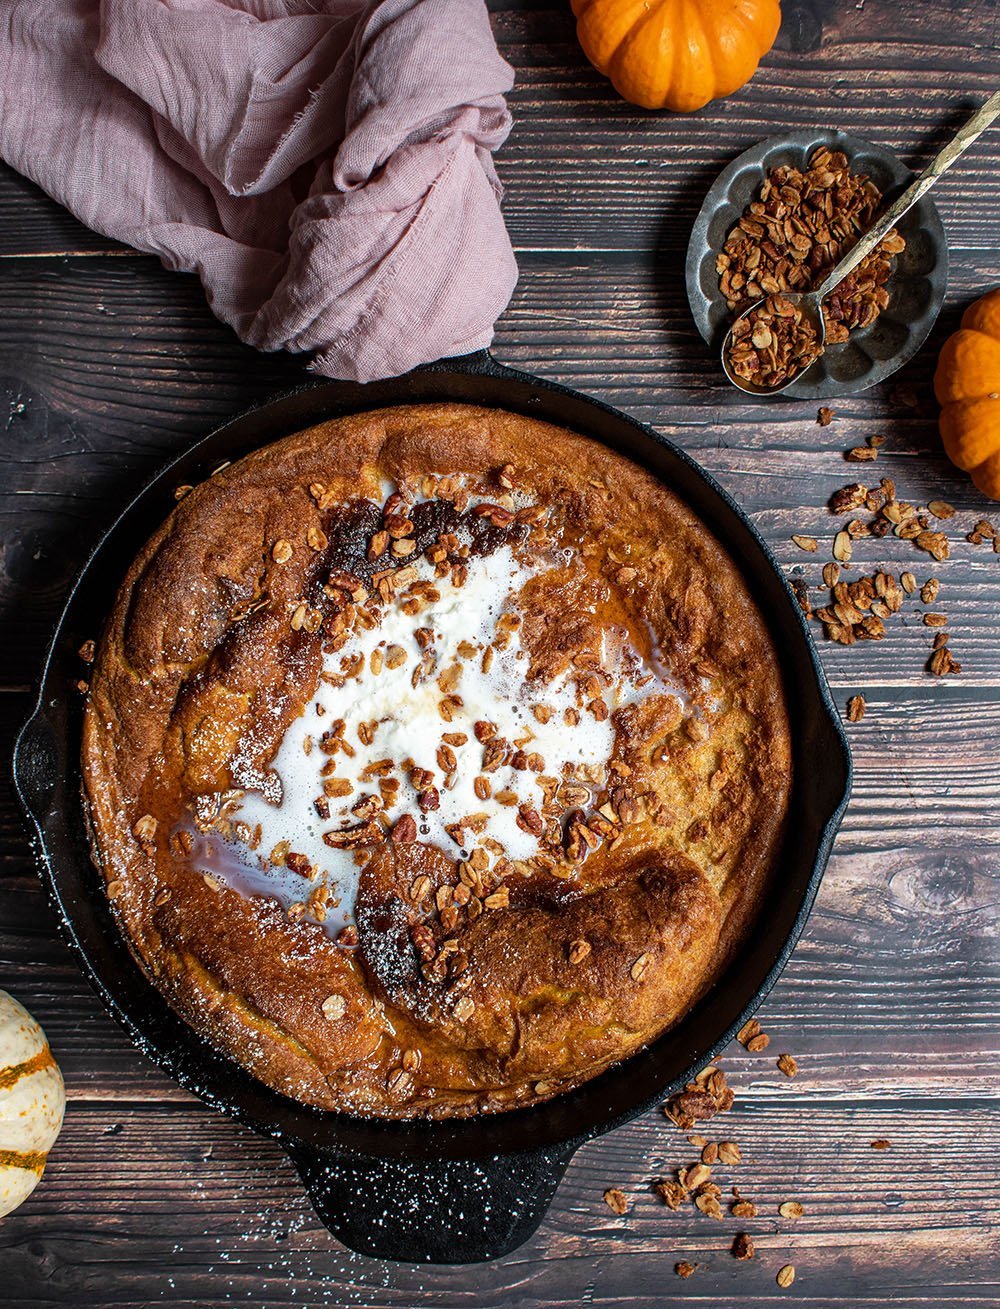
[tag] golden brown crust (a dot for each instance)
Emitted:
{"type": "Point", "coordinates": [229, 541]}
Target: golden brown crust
{"type": "Point", "coordinates": [539, 1012]}
{"type": "Point", "coordinates": [199, 674]}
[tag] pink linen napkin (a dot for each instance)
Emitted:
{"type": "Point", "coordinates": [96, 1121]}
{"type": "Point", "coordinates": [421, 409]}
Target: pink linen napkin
{"type": "Point", "coordinates": [324, 166]}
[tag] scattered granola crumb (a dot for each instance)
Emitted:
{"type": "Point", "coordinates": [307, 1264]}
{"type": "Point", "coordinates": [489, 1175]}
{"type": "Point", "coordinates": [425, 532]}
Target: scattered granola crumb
{"type": "Point", "coordinates": [707, 1095]}
{"type": "Point", "coordinates": [856, 707]}
{"type": "Point", "coordinates": [807, 543]}
{"type": "Point", "coordinates": [743, 1208]}
{"type": "Point", "coordinates": [759, 1042]}
{"type": "Point", "coordinates": [694, 1176]}
{"type": "Point", "coordinates": [861, 454]}
{"type": "Point", "coordinates": [842, 547]}
{"type": "Point", "coordinates": [983, 531]}
{"type": "Point", "coordinates": [935, 543]}
{"type": "Point", "coordinates": [729, 1152]}
{"type": "Point", "coordinates": [578, 950]}
{"type": "Point", "coordinates": [791, 1209]}
{"type": "Point", "coordinates": [615, 1200]}
{"type": "Point", "coordinates": [880, 1143]}
{"type": "Point", "coordinates": [801, 589]}
{"type": "Point", "coordinates": [405, 830]}
{"type": "Point", "coordinates": [942, 662]}
{"type": "Point", "coordinates": [825, 416]}
{"type": "Point", "coordinates": [684, 1269]}
{"type": "Point", "coordinates": [748, 1031]}
{"type": "Point", "coordinates": [334, 1007]}
{"type": "Point", "coordinates": [786, 1276]}
{"type": "Point", "coordinates": [464, 1010]}
{"type": "Point", "coordinates": [672, 1193]}
{"type": "Point", "coordinates": [847, 498]}
{"type": "Point", "coordinates": [144, 832]}
{"type": "Point", "coordinates": [87, 651]}
{"type": "Point", "coordinates": [858, 610]}
{"type": "Point", "coordinates": [742, 1247]}
{"type": "Point", "coordinates": [786, 1063]}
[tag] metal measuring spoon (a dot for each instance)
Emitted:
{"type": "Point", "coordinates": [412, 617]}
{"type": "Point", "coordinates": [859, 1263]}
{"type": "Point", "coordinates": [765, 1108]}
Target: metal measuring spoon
{"type": "Point", "coordinates": [809, 303]}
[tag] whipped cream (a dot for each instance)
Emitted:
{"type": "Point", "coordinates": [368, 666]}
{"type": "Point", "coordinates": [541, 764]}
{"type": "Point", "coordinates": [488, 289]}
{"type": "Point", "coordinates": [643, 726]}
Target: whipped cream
{"type": "Point", "coordinates": [395, 717]}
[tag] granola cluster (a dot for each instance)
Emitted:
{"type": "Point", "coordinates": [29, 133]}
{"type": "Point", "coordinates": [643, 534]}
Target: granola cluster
{"type": "Point", "coordinates": [858, 608]}
{"type": "Point", "coordinates": [773, 343]}
{"type": "Point", "coordinates": [787, 240]}
{"type": "Point", "coordinates": [800, 225]}
{"type": "Point", "coordinates": [697, 1183]}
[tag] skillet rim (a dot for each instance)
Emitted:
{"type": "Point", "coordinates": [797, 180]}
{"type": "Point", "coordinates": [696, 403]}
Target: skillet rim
{"type": "Point", "coordinates": [196, 1065]}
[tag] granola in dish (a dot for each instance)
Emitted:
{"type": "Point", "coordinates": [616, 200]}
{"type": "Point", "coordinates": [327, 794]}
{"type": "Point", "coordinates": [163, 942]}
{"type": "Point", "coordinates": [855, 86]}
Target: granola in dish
{"type": "Point", "coordinates": [788, 238]}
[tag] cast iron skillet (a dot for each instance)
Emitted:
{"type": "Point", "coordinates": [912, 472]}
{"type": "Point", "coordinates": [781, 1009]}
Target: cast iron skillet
{"type": "Point", "coordinates": [453, 1191]}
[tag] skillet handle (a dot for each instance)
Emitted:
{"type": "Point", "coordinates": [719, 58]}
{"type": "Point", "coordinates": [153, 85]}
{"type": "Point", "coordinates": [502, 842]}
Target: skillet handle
{"type": "Point", "coordinates": [480, 363]}
{"type": "Point", "coordinates": [439, 1211]}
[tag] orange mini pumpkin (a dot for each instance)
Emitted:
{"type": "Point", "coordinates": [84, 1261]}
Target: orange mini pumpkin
{"type": "Point", "coordinates": [967, 386]}
{"type": "Point", "coordinates": [676, 54]}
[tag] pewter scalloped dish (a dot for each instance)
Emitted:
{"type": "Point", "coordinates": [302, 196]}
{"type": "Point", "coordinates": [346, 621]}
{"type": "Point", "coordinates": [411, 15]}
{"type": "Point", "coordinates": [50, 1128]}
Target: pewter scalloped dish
{"type": "Point", "coordinates": [916, 287]}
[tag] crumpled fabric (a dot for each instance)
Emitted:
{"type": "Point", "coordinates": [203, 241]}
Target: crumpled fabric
{"type": "Point", "coordinates": [324, 166]}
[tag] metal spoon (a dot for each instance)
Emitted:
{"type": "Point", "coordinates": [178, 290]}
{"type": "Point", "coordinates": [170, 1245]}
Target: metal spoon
{"type": "Point", "coordinates": [810, 302]}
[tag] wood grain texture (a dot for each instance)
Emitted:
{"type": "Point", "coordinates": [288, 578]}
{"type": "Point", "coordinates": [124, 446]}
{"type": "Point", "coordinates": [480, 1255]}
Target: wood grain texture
{"type": "Point", "coordinates": [585, 171]}
{"type": "Point", "coordinates": [107, 366]}
{"type": "Point", "coordinates": [900, 75]}
{"type": "Point", "coordinates": [891, 1002]}
{"type": "Point", "coordinates": [205, 1213]}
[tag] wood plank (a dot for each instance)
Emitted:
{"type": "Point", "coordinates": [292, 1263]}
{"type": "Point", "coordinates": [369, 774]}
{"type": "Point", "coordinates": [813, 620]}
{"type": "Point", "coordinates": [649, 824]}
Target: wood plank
{"type": "Point", "coordinates": [33, 224]}
{"type": "Point", "coordinates": [618, 177]}
{"type": "Point", "coordinates": [584, 170]}
{"type": "Point", "coordinates": [173, 1196]}
{"type": "Point", "coordinates": [128, 343]}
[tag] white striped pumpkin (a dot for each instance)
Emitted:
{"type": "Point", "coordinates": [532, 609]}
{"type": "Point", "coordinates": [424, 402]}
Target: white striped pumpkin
{"type": "Point", "coordinates": [32, 1100]}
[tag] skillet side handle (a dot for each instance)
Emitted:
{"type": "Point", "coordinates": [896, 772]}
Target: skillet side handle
{"type": "Point", "coordinates": [36, 766]}
{"type": "Point", "coordinates": [478, 363]}
{"type": "Point", "coordinates": [431, 1211]}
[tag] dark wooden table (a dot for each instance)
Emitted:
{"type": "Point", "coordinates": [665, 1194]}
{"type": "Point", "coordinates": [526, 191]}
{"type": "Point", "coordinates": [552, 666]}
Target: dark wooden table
{"type": "Point", "coordinates": [108, 364]}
